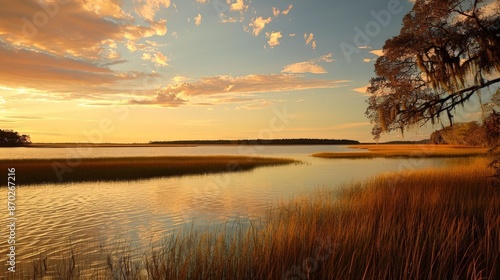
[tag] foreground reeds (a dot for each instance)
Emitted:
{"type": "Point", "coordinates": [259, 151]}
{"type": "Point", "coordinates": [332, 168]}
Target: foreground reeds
{"type": "Point", "coordinates": [427, 224]}
{"type": "Point", "coordinates": [407, 151]}
{"type": "Point", "coordinates": [38, 171]}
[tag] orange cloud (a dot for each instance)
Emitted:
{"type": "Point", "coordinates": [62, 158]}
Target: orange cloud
{"type": "Point", "coordinates": [310, 66]}
{"type": "Point", "coordinates": [36, 70]}
{"type": "Point", "coordinates": [310, 40]}
{"type": "Point", "coordinates": [164, 99]}
{"type": "Point", "coordinates": [148, 8]}
{"type": "Point", "coordinates": [362, 89]}
{"type": "Point", "coordinates": [239, 5]}
{"type": "Point", "coordinates": [258, 24]}
{"type": "Point", "coordinates": [197, 20]}
{"type": "Point", "coordinates": [276, 12]}
{"type": "Point", "coordinates": [254, 83]}
{"type": "Point", "coordinates": [285, 12]}
{"type": "Point", "coordinates": [274, 38]}
{"type": "Point", "coordinates": [377, 52]}
{"type": "Point", "coordinates": [304, 67]}
{"type": "Point", "coordinates": [78, 28]}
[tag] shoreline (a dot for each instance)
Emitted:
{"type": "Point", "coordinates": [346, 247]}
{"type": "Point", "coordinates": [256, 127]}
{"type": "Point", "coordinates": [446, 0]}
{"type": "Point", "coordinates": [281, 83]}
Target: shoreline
{"type": "Point", "coordinates": [405, 151]}
{"type": "Point", "coordinates": [257, 142]}
{"type": "Point", "coordinates": [66, 170]}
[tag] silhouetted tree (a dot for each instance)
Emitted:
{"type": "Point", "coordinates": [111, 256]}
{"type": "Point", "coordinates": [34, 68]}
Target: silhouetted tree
{"type": "Point", "coordinates": [12, 138]}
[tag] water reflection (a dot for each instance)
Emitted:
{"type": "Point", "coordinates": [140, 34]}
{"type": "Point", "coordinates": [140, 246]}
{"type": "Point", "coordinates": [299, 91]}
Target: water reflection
{"type": "Point", "coordinates": [142, 212]}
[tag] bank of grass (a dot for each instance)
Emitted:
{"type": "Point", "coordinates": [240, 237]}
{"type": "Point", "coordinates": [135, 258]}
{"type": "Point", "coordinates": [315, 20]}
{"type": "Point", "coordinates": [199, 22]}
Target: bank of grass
{"type": "Point", "coordinates": [426, 224]}
{"type": "Point", "coordinates": [39, 171]}
{"type": "Point", "coordinates": [407, 150]}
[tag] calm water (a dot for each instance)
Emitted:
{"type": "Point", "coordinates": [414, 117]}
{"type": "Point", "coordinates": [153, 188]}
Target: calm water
{"type": "Point", "coordinates": [141, 212]}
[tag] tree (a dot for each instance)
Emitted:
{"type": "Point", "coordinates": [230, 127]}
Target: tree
{"type": "Point", "coordinates": [446, 52]}
{"type": "Point", "coordinates": [469, 133]}
{"type": "Point", "coordinates": [12, 138]}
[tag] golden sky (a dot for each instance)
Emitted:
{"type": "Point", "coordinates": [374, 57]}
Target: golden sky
{"type": "Point", "coordinates": [135, 71]}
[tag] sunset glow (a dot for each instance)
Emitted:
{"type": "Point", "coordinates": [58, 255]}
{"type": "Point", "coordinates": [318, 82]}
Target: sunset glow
{"type": "Point", "coordinates": [206, 69]}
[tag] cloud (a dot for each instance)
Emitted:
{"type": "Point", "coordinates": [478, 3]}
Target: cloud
{"type": "Point", "coordinates": [131, 46]}
{"type": "Point", "coordinates": [197, 20]}
{"type": "Point", "coordinates": [362, 89]}
{"type": "Point", "coordinates": [366, 60]}
{"type": "Point", "coordinates": [37, 69]}
{"type": "Point", "coordinates": [292, 35]}
{"type": "Point", "coordinates": [159, 59]}
{"type": "Point", "coordinates": [310, 66]}
{"type": "Point", "coordinates": [156, 57]}
{"type": "Point", "coordinates": [377, 52]}
{"type": "Point", "coordinates": [304, 67]}
{"type": "Point", "coordinates": [148, 8]}
{"type": "Point", "coordinates": [258, 24]}
{"type": "Point", "coordinates": [164, 99]}
{"type": "Point", "coordinates": [239, 5]}
{"type": "Point", "coordinates": [274, 38]}
{"type": "Point", "coordinates": [228, 19]}
{"type": "Point", "coordinates": [180, 79]}
{"type": "Point", "coordinates": [79, 29]}
{"type": "Point", "coordinates": [276, 12]}
{"type": "Point", "coordinates": [202, 1]}
{"type": "Point", "coordinates": [310, 40]}
{"type": "Point", "coordinates": [285, 12]}
{"type": "Point", "coordinates": [327, 57]}
{"type": "Point", "coordinates": [254, 83]}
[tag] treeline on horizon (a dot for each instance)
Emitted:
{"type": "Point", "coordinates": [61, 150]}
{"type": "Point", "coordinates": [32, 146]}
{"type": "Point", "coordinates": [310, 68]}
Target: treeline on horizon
{"type": "Point", "coordinates": [11, 138]}
{"type": "Point", "coordinates": [301, 141]}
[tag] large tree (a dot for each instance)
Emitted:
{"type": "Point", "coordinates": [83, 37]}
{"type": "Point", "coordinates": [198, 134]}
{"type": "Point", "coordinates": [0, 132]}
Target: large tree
{"type": "Point", "coordinates": [446, 52]}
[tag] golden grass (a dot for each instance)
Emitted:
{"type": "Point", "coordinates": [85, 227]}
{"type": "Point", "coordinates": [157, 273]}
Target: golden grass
{"type": "Point", "coordinates": [38, 171]}
{"type": "Point", "coordinates": [414, 151]}
{"type": "Point", "coordinates": [428, 224]}
{"type": "Point", "coordinates": [104, 145]}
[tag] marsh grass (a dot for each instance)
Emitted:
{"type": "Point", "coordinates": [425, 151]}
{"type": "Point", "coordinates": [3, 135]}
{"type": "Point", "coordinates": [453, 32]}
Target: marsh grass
{"type": "Point", "coordinates": [407, 151]}
{"type": "Point", "coordinates": [423, 224]}
{"type": "Point", "coordinates": [38, 171]}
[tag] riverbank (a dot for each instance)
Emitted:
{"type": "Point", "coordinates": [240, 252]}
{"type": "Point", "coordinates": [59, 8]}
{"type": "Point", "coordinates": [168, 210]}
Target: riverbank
{"type": "Point", "coordinates": [426, 224]}
{"type": "Point", "coordinates": [39, 171]}
{"type": "Point", "coordinates": [407, 151]}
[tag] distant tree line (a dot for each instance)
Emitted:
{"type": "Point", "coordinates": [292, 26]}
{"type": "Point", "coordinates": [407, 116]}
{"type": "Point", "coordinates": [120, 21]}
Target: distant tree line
{"type": "Point", "coordinates": [302, 141]}
{"type": "Point", "coordinates": [11, 138]}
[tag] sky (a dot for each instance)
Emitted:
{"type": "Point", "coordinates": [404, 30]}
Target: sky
{"type": "Point", "coordinates": [149, 70]}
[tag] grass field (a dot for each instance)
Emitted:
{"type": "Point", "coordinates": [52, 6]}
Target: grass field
{"type": "Point", "coordinates": [425, 224]}
{"type": "Point", "coordinates": [38, 171]}
{"type": "Point", "coordinates": [417, 151]}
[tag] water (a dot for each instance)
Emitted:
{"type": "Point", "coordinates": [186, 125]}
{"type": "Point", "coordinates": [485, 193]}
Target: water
{"type": "Point", "coordinates": [93, 152]}
{"type": "Point", "coordinates": [50, 217]}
